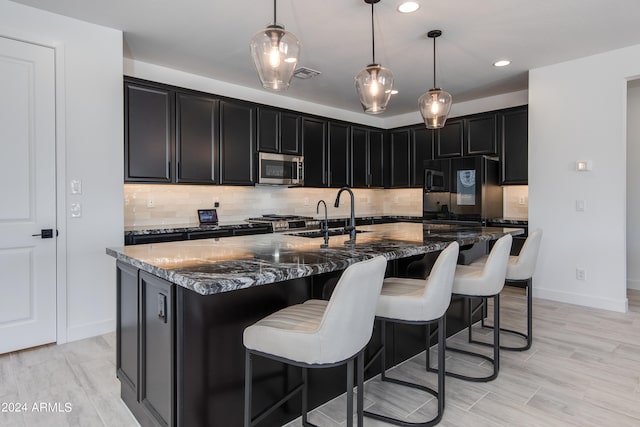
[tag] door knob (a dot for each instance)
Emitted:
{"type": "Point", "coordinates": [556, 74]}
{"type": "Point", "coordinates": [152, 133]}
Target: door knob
{"type": "Point", "coordinates": [45, 233]}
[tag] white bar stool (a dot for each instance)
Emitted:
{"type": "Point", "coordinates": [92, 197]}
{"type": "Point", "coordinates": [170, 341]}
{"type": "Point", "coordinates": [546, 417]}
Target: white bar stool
{"type": "Point", "coordinates": [319, 334]}
{"type": "Point", "coordinates": [519, 274]}
{"type": "Point", "coordinates": [483, 281]}
{"type": "Point", "coordinates": [418, 302]}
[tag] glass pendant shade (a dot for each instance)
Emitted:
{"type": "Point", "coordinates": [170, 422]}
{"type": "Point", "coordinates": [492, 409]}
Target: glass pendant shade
{"type": "Point", "coordinates": [434, 107]}
{"type": "Point", "coordinates": [275, 53]}
{"type": "Point", "coordinates": [374, 84]}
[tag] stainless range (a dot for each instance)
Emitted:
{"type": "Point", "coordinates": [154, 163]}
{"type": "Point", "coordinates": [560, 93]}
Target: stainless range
{"type": "Point", "coordinates": [287, 222]}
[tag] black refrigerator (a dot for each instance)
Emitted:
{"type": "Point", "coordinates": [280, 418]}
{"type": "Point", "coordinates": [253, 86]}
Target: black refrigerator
{"type": "Point", "coordinates": [462, 190]}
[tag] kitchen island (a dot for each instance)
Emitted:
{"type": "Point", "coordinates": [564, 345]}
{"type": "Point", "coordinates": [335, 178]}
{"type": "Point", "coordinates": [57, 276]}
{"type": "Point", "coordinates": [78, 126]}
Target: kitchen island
{"type": "Point", "coordinates": [182, 307]}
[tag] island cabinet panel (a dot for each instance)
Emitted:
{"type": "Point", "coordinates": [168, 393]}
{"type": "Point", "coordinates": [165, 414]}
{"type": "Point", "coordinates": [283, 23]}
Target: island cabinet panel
{"type": "Point", "coordinates": [157, 376]}
{"type": "Point", "coordinates": [421, 151]}
{"type": "Point", "coordinates": [481, 135]}
{"type": "Point", "coordinates": [400, 152]}
{"type": "Point", "coordinates": [514, 146]}
{"type": "Point", "coordinates": [314, 137]}
{"type": "Point", "coordinates": [127, 328]}
{"type": "Point", "coordinates": [196, 139]}
{"type": "Point", "coordinates": [338, 145]}
{"type": "Point", "coordinates": [149, 133]}
{"type": "Point", "coordinates": [449, 139]}
{"type": "Point", "coordinates": [211, 354]}
{"type": "Point", "coordinates": [237, 140]}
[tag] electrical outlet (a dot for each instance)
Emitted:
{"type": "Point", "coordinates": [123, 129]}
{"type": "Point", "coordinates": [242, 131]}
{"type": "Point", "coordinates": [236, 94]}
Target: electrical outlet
{"type": "Point", "coordinates": [581, 274]}
{"type": "Point", "coordinates": [580, 206]}
{"type": "Point", "coordinates": [76, 210]}
{"type": "Point", "coordinates": [522, 200]}
{"type": "Point", "coordinates": [150, 203]}
{"type": "Point", "coordinates": [306, 201]}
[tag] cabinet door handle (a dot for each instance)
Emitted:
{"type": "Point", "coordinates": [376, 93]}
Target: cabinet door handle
{"type": "Point", "coordinates": [162, 307]}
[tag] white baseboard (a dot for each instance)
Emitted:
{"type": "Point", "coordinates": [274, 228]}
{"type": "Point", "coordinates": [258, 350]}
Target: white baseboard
{"type": "Point", "coordinates": [633, 284]}
{"type": "Point", "coordinates": [619, 305]}
{"type": "Point", "coordinates": [89, 330]}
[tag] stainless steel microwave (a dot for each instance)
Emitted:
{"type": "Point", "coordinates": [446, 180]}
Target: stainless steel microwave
{"type": "Point", "coordinates": [280, 169]}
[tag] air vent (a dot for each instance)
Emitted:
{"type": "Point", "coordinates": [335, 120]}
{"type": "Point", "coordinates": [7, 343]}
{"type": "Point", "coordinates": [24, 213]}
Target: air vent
{"type": "Point", "coordinates": [306, 73]}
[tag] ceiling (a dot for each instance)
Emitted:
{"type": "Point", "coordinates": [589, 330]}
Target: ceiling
{"type": "Point", "coordinates": [211, 38]}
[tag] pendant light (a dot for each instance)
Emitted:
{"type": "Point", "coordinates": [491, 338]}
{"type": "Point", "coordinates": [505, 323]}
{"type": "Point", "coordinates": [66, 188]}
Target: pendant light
{"type": "Point", "coordinates": [275, 53]}
{"type": "Point", "coordinates": [436, 103]}
{"type": "Point", "coordinates": [374, 82]}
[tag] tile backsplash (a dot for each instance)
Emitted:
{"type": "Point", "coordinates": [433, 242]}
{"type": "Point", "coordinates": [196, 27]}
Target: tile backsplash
{"type": "Point", "coordinates": [515, 201]}
{"type": "Point", "coordinates": [147, 204]}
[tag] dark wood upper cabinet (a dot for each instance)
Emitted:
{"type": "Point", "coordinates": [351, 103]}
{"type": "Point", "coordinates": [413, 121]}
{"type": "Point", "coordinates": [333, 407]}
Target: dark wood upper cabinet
{"type": "Point", "coordinates": [421, 150]}
{"type": "Point", "coordinates": [514, 146]}
{"type": "Point", "coordinates": [196, 139]}
{"type": "Point", "coordinates": [449, 139]}
{"type": "Point", "coordinates": [376, 159]}
{"type": "Point", "coordinates": [367, 158]}
{"type": "Point", "coordinates": [237, 139]}
{"type": "Point", "coordinates": [359, 157]}
{"type": "Point", "coordinates": [290, 133]}
{"type": "Point", "coordinates": [338, 154]}
{"type": "Point", "coordinates": [481, 135]}
{"type": "Point", "coordinates": [149, 133]}
{"type": "Point", "coordinates": [278, 132]}
{"type": "Point", "coordinates": [400, 153]}
{"type": "Point", "coordinates": [314, 138]}
{"type": "Point", "coordinates": [268, 130]}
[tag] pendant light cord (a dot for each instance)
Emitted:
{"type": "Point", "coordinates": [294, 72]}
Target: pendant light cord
{"type": "Point", "coordinates": [434, 62]}
{"type": "Point", "coordinates": [274, 13]}
{"type": "Point", "coordinates": [373, 38]}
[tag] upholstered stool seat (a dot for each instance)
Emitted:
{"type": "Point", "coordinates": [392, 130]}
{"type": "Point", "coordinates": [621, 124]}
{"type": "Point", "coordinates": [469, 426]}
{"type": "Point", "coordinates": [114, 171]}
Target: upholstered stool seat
{"type": "Point", "coordinates": [485, 281]}
{"type": "Point", "coordinates": [419, 302]}
{"type": "Point", "coordinates": [319, 334]}
{"type": "Point", "coordinates": [519, 274]}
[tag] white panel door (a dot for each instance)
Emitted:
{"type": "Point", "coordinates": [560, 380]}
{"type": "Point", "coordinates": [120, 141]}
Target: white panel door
{"type": "Point", "coordinates": [27, 195]}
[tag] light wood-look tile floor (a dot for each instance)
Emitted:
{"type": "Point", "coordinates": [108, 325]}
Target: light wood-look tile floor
{"type": "Point", "coordinates": [583, 370]}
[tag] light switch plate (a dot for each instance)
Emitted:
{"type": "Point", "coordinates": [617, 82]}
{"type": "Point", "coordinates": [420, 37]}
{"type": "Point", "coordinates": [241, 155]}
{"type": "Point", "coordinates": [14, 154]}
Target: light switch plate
{"type": "Point", "coordinates": [76, 186]}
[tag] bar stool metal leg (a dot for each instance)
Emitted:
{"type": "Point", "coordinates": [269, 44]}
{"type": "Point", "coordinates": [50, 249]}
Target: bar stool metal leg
{"type": "Point", "coordinates": [439, 393]}
{"type": "Point", "coordinates": [526, 285]}
{"type": "Point", "coordinates": [495, 360]}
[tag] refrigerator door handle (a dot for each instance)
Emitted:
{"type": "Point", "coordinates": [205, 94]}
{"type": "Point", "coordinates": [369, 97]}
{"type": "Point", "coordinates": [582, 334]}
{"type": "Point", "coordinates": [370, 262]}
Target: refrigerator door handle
{"type": "Point", "coordinates": [428, 181]}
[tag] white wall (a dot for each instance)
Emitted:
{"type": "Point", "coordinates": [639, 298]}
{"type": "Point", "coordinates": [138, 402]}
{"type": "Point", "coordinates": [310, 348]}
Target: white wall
{"type": "Point", "coordinates": [633, 185]}
{"type": "Point", "coordinates": [89, 147]}
{"type": "Point", "coordinates": [577, 111]}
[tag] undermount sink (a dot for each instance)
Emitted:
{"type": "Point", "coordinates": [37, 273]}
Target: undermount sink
{"type": "Point", "coordinates": [318, 233]}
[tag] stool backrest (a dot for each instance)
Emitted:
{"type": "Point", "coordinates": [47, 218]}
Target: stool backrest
{"type": "Point", "coordinates": [347, 324]}
{"type": "Point", "coordinates": [523, 268]}
{"type": "Point", "coordinates": [495, 269]}
{"type": "Point", "coordinates": [437, 292]}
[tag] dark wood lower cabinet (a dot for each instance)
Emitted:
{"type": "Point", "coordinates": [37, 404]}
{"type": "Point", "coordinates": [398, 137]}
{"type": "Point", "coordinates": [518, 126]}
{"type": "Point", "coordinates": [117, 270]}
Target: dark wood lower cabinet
{"type": "Point", "coordinates": [157, 333]}
{"type": "Point", "coordinates": [190, 355]}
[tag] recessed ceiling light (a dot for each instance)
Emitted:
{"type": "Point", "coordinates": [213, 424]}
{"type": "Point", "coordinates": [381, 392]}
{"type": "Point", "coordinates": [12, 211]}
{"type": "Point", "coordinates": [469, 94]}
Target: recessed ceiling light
{"type": "Point", "coordinates": [408, 7]}
{"type": "Point", "coordinates": [501, 63]}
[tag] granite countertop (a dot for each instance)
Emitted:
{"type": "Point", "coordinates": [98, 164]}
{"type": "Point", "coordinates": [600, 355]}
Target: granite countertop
{"type": "Point", "coordinates": [213, 266]}
{"type": "Point", "coordinates": [509, 221]}
{"type": "Point", "coordinates": [138, 230]}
